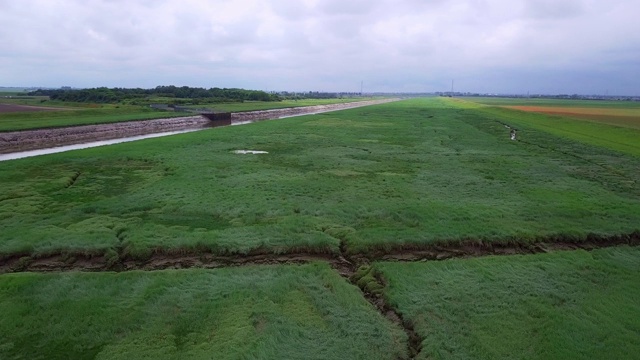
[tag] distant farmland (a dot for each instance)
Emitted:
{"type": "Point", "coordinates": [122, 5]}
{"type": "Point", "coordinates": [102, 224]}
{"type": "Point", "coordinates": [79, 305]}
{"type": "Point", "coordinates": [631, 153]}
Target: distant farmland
{"type": "Point", "coordinates": [611, 124]}
{"type": "Point", "coordinates": [12, 108]}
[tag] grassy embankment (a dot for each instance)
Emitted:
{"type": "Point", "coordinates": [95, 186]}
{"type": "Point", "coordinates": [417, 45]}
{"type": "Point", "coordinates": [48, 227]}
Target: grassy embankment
{"type": "Point", "coordinates": [406, 174]}
{"type": "Point", "coordinates": [566, 305]}
{"type": "Point", "coordinates": [72, 114]}
{"type": "Point", "coordinates": [261, 105]}
{"type": "Point", "coordinates": [79, 116]}
{"type": "Point", "coordinates": [562, 103]}
{"type": "Point", "coordinates": [283, 312]}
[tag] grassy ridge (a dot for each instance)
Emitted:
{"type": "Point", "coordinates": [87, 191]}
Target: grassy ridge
{"type": "Point", "coordinates": [567, 305]}
{"type": "Point", "coordinates": [400, 174]}
{"type": "Point", "coordinates": [283, 312]}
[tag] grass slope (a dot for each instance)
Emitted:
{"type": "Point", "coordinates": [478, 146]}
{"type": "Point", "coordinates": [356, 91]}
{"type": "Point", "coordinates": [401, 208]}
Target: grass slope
{"type": "Point", "coordinates": [282, 312]}
{"type": "Point", "coordinates": [72, 114]}
{"type": "Point", "coordinates": [79, 116]}
{"type": "Point", "coordinates": [407, 173]}
{"type": "Point", "coordinates": [566, 305]}
{"type": "Point", "coordinates": [262, 105]}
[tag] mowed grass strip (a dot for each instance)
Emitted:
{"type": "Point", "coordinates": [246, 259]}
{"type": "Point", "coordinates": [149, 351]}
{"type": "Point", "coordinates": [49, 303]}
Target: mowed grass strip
{"type": "Point", "coordinates": [404, 174]}
{"type": "Point", "coordinates": [275, 312]}
{"type": "Point", "coordinates": [565, 305]}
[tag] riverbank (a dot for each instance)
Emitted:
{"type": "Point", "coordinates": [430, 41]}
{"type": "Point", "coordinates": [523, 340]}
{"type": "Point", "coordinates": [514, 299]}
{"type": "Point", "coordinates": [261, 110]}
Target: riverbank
{"type": "Point", "coordinates": [16, 141]}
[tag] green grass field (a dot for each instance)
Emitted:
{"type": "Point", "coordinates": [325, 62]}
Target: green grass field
{"type": "Point", "coordinates": [400, 174]}
{"type": "Point", "coordinates": [404, 175]}
{"type": "Point", "coordinates": [619, 133]}
{"type": "Point", "coordinates": [72, 114]}
{"type": "Point", "coordinates": [611, 104]}
{"type": "Point", "coordinates": [262, 105]}
{"type": "Point", "coordinates": [567, 305]}
{"type": "Point", "coordinates": [79, 116]}
{"type": "Point", "coordinates": [281, 312]}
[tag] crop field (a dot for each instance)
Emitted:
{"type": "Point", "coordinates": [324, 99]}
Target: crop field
{"type": "Point", "coordinates": [617, 113]}
{"type": "Point", "coordinates": [620, 117]}
{"type": "Point", "coordinates": [566, 305]}
{"type": "Point", "coordinates": [334, 242]}
{"type": "Point", "coordinates": [611, 124]}
{"type": "Point", "coordinates": [11, 108]}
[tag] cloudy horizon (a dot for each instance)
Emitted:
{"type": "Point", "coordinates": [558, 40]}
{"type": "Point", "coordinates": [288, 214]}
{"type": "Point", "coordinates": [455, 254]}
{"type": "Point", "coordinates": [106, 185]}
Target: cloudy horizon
{"type": "Point", "coordinates": [487, 46]}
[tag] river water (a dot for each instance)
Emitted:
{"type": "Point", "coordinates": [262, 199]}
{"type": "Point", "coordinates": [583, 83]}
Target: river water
{"type": "Point", "coordinates": [58, 149]}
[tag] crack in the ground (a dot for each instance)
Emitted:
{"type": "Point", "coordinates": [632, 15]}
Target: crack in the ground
{"type": "Point", "coordinates": [372, 285]}
{"type": "Point", "coordinates": [346, 261]}
{"type": "Point", "coordinates": [359, 272]}
{"type": "Point", "coordinates": [72, 180]}
{"type": "Point", "coordinates": [355, 268]}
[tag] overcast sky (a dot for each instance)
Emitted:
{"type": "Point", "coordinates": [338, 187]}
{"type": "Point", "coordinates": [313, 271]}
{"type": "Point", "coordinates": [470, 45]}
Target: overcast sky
{"type": "Point", "coordinates": [497, 46]}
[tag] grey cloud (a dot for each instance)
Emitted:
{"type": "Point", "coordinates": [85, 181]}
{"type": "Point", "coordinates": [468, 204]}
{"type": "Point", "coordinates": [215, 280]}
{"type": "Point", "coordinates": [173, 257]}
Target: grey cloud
{"type": "Point", "coordinates": [554, 9]}
{"type": "Point", "coordinates": [323, 44]}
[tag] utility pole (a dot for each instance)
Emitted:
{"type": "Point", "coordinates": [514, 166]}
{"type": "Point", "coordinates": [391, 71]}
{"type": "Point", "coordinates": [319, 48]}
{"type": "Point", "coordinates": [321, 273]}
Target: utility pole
{"type": "Point", "coordinates": [361, 85]}
{"type": "Point", "coordinates": [451, 87]}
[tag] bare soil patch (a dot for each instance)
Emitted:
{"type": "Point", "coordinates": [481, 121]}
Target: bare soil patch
{"type": "Point", "coordinates": [10, 108]}
{"type": "Point", "coordinates": [620, 117]}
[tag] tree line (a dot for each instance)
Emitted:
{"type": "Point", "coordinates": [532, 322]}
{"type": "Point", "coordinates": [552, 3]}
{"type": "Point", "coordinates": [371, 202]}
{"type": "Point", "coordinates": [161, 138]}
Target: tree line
{"type": "Point", "coordinates": [114, 95]}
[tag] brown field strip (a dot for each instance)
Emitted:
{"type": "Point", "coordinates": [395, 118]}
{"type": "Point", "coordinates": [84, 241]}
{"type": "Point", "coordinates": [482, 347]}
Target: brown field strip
{"type": "Point", "coordinates": [10, 108]}
{"type": "Point", "coordinates": [619, 117]}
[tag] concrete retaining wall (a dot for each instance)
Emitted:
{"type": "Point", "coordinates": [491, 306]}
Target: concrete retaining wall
{"type": "Point", "coordinates": [45, 138]}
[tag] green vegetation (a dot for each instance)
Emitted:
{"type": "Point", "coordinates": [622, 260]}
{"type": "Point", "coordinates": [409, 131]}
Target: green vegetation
{"type": "Point", "coordinates": [406, 174]}
{"type": "Point", "coordinates": [80, 116]}
{"type": "Point", "coordinates": [262, 105]}
{"type": "Point", "coordinates": [610, 132]}
{"type": "Point", "coordinates": [399, 175]}
{"type": "Point", "coordinates": [566, 305]}
{"type": "Point", "coordinates": [72, 114]}
{"type": "Point", "coordinates": [283, 312]}
{"type": "Point", "coordinates": [554, 102]}
{"type": "Point", "coordinates": [107, 95]}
